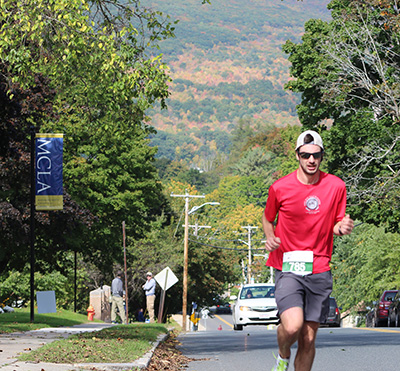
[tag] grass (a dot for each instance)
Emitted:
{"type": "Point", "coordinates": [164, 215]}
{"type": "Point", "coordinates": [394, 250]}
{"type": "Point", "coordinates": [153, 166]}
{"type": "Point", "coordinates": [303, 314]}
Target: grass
{"type": "Point", "coordinates": [20, 320]}
{"type": "Point", "coordinates": [120, 344]}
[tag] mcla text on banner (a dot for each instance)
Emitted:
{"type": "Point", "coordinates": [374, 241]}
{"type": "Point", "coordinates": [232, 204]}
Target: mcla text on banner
{"type": "Point", "coordinates": [49, 171]}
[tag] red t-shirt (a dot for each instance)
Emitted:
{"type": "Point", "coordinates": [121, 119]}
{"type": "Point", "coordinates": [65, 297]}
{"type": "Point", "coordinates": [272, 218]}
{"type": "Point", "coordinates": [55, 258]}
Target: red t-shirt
{"type": "Point", "coordinates": [306, 217]}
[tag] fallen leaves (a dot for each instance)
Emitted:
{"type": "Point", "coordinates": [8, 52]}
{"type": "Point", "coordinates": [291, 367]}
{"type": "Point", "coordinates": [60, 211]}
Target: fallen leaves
{"type": "Point", "coordinates": [167, 357]}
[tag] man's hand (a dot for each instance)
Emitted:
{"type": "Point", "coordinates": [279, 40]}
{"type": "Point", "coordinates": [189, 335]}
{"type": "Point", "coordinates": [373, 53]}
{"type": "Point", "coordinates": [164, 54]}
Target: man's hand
{"type": "Point", "coordinates": [272, 243]}
{"type": "Point", "coordinates": [346, 225]}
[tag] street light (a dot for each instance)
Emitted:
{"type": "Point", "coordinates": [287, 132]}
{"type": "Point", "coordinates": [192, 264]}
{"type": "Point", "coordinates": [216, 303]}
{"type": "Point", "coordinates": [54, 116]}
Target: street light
{"type": "Point", "coordinates": [195, 208]}
{"type": "Point", "coordinates": [187, 196]}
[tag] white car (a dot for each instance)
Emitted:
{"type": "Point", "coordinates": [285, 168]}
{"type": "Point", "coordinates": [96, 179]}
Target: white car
{"type": "Point", "coordinates": [255, 305]}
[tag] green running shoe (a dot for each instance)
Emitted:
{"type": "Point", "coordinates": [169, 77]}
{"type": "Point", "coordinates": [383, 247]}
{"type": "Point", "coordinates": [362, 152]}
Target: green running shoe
{"type": "Point", "coordinates": [281, 364]}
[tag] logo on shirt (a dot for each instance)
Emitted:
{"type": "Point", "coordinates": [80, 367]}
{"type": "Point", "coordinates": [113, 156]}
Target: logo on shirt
{"type": "Point", "coordinates": [312, 204]}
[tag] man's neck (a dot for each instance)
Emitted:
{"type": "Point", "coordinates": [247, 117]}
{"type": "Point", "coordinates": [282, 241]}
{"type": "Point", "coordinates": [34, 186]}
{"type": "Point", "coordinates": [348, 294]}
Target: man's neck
{"type": "Point", "coordinates": [307, 179]}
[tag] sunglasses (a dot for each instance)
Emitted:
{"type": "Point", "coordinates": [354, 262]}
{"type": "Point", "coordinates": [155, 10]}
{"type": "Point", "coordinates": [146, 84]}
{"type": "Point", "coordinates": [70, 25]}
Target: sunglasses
{"type": "Point", "coordinates": [307, 155]}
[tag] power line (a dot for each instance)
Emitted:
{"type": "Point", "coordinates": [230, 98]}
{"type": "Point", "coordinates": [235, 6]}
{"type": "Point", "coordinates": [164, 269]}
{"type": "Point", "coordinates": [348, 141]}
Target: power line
{"type": "Point", "coordinates": [223, 248]}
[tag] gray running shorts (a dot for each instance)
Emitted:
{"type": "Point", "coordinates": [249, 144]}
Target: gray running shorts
{"type": "Point", "coordinates": [311, 293]}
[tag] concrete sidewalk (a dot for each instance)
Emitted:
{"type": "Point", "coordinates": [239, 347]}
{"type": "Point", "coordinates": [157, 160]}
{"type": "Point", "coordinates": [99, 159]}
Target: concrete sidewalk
{"type": "Point", "coordinates": [12, 345]}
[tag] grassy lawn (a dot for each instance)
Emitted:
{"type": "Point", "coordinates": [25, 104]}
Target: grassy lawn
{"type": "Point", "coordinates": [20, 320]}
{"type": "Point", "coordinates": [120, 344]}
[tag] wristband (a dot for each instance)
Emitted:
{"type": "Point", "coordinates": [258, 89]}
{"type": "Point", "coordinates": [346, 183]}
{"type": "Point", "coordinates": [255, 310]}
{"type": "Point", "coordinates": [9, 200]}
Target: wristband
{"type": "Point", "coordinates": [340, 232]}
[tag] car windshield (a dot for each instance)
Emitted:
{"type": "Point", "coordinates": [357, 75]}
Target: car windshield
{"type": "Point", "coordinates": [257, 292]}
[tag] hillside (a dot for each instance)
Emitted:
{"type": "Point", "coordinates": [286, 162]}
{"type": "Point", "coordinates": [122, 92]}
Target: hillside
{"type": "Point", "coordinates": [227, 65]}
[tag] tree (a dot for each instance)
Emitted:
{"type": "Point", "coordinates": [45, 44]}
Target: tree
{"type": "Point", "coordinates": [364, 264]}
{"type": "Point", "coordinates": [83, 69]}
{"type": "Point", "coordinates": [347, 72]}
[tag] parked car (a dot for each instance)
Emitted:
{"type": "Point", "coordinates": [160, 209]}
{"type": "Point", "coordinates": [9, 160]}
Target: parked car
{"type": "Point", "coordinates": [333, 318]}
{"type": "Point", "coordinates": [378, 315]}
{"type": "Point", "coordinates": [255, 305]}
{"type": "Point", "coordinates": [223, 309]}
{"type": "Point", "coordinates": [394, 311]}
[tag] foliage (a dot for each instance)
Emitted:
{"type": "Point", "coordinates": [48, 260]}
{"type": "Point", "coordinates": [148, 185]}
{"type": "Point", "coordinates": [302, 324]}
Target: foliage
{"type": "Point", "coordinates": [83, 69]}
{"type": "Point", "coordinates": [15, 288]}
{"type": "Point", "coordinates": [227, 65]}
{"type": "Point", "coordinates": [364, 264]}
{"type": "Point", "coordinates": [346, 70]}
{"type": "Point", "coordinates": [59, 228]}
{"type": "Point", "coordinates": [154, 252]}
{"type": "Point", "coordinates": [75, 44]}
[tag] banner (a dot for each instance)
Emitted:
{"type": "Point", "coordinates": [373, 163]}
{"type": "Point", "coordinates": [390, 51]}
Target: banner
{"type": "Point", "coordinates": [49, 169]}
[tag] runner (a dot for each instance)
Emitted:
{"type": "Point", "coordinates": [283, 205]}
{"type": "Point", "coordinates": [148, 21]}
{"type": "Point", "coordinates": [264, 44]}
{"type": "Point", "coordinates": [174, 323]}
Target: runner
{"type": "Point", "coordinates": [311, 206]}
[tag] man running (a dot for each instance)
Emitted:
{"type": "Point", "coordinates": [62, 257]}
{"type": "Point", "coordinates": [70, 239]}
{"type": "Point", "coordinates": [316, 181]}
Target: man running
{"type": "Point", "coordinates": [311, 206]}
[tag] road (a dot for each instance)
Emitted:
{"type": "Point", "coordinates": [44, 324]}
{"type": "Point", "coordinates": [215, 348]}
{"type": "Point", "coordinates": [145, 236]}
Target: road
{"type": "Point", "coordinates": [343, 349]}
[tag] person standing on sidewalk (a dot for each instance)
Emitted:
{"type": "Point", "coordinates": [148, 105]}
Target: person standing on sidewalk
{"type": "Point", "coordinates": [311, 207]}
{"type": "Point", "coordinates": [117, 299]}
{"type": "Point", "coordinates": [150, 290]}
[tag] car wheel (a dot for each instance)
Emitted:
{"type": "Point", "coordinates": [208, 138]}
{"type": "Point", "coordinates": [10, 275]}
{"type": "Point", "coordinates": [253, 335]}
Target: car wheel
{"type": "Point", "coordinates": [238, 327]}
{"type": "Point", "coordinates": [389, 321]}
{"type": "Point", "coordinates": [396, 322]}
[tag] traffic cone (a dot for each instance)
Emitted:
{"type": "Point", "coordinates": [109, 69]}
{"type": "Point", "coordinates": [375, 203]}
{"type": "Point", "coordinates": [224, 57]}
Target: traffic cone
{"type": "Point", "coordinates": [220, 327]}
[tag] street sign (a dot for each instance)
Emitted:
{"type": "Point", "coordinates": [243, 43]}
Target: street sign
{"type": "Point", "coordinates": [166, 278]}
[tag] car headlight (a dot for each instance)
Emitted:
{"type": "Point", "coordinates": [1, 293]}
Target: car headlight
{"type": "Point", "coordinates": [244, 308]}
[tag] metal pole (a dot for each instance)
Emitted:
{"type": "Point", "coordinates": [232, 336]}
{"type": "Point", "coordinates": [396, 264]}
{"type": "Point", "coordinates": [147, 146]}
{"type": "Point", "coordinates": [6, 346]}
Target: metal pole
{"type": "Point", "coordinates": [185, 264]}
{"type": "Point", "coordinates": [32, 224]}
{"type": "Point", "coordinates": [75, 279]}
{"type": "Point", "coordinates": [162, 300]}
{"type": "Point", "coordinates": [126, 276]}
{"type": "Point", "coordinates": [249, 245]}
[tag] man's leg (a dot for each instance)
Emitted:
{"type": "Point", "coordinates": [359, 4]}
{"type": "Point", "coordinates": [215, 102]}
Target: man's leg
{"type": "Point", "coordinates": [150, 307]}
{"type": "Point", "coordinates": [113, 310]}
{"type": "Point", "coordinates": [121, 310]}
{"type": "Point", "coordinates": [288, 332]}
{"type": "Point", "coordinates": [306, 346]}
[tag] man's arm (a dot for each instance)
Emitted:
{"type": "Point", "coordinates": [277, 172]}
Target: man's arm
{"type": "Point", "coordinates": [272, 242]}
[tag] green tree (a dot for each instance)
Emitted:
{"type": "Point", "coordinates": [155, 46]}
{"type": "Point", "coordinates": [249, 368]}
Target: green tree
{"type": "Point", "coordinates": [364, 264]}
{"type": "Point", "coordinates": [346, 70]}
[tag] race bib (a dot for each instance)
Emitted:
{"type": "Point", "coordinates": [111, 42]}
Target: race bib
{"type": "Point", "coordinates": [298, 262]}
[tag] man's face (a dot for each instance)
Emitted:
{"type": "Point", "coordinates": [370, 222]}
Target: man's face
{"type": "Point", "coordinates": [311, 164]}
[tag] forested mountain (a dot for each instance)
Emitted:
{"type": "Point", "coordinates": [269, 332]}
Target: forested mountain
{"type": "Point", "coordinates": [227, 65]}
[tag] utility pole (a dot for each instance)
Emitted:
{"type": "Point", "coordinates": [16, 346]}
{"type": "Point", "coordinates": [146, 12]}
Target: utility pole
{"type": "Point", "coordinates": [248, 243]}
{"type": "Point", "coordinates": [271, 269]}
{"type": "Point", "coordinates": [197, 227]}
{"type": "Point", "coordinates": [187, 197]}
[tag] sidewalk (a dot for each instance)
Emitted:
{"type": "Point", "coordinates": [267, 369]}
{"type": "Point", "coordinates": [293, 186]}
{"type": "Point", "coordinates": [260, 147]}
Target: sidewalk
{"type": "Point", "coordinates": [11, 345]}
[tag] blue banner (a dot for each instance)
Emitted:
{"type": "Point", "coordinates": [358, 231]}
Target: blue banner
{"type": "Point", "coordinates": [49, 171]}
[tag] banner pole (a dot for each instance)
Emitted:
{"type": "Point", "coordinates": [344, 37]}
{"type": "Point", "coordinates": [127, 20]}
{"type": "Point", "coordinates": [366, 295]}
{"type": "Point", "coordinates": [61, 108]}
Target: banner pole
{"type": "Point", "coordinates": [32, 224]}
{"type": "Point", "coordinates": [126, 274]}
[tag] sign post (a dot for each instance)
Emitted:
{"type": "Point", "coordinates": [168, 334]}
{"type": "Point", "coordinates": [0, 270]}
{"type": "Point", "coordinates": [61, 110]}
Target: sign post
{"type": "Point", "coordinates": [166, 278]}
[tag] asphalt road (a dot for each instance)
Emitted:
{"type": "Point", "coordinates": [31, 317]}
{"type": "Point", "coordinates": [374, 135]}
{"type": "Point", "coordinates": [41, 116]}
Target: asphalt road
{"type": "Point", "coordinates": [343, 349]}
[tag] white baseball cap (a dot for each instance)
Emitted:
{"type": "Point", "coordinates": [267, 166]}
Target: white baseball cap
{"type": "Point", "coordinates": [315, 139]}
{"type": "Point", "coordinates": [149, 274]}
